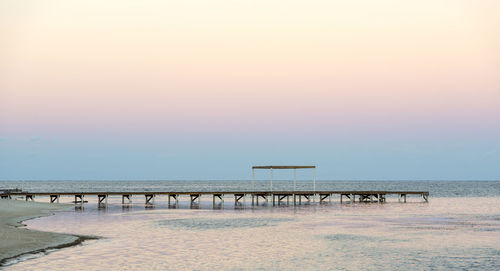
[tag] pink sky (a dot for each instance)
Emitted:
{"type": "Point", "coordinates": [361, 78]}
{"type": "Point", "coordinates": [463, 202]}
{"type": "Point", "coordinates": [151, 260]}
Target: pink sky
{"type": "Point", "coordinates": [308, 69]}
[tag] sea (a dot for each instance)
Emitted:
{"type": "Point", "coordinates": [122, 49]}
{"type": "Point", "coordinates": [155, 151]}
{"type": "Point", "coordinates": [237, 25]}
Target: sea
{"type": "Point", "coordinates": [458, 229]}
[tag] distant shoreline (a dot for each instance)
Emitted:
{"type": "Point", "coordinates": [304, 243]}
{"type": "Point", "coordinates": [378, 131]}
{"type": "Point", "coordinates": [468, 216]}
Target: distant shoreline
{"type": "Point", "coordinates": [16, 241]}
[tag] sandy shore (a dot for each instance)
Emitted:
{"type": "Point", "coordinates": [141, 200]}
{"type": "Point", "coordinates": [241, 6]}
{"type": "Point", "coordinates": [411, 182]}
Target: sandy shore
{"type": "Point", "coordinates": [15, 241]}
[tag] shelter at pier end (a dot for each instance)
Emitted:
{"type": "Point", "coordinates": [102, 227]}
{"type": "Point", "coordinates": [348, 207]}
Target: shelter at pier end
{"type": "Point", "coordinates": [284, 167]}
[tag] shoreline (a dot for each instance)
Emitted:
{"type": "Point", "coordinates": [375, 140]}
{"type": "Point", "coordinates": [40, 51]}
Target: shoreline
{"type": "Point", "coordinates": [17, 241]}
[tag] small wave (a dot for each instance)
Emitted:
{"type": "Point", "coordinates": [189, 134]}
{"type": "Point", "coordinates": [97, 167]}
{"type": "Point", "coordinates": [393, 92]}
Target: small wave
{"type": "Point", "coordinates": [220, 223]}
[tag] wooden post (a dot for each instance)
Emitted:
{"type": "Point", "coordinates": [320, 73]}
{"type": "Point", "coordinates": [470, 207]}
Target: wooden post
{"type": "Point", "coordinates": [150, 198]}
{"type": "Point", "coordinates": [194, 197]}
{"type": "Point", "coordinates": [294, 179]}
{"type": "Point", "coordinates": [54, 198]}
{"type": "Point", "coordinates": [253, 179]}
{"type": "Point", "coordinates": [128, 198]}
{"type": "Point", "coordinates": [79, 196]}
{"type": "Point", "coordinates": [272, 183]}
{"type": "Point", "coordinates": [314, 181]}
{"type": "Point", "coordinates": [425, 197]}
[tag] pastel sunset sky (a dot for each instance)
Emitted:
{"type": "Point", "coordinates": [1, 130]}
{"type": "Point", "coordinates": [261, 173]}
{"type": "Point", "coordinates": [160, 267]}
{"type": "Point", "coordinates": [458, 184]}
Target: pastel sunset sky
{"type": "Point", "coordinates": [197, 89]}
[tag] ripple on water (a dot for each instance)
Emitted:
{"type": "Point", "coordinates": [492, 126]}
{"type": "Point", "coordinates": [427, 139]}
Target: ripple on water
{"type": "Point", "coordinates": [341, 237]}
{"type": "Point", "coordinates": [220, 223]}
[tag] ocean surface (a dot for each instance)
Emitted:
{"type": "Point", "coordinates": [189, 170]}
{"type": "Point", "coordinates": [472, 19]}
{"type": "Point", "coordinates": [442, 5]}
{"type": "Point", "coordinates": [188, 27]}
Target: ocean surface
{"type": "Point", "coordinates": [459, 229]}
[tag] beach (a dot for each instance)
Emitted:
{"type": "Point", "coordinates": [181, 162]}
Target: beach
{"type": "Point", "coordinates": [16, 240]}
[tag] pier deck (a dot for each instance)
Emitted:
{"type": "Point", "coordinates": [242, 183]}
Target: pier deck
{"type": "Point", "coordinates": [276, 197]}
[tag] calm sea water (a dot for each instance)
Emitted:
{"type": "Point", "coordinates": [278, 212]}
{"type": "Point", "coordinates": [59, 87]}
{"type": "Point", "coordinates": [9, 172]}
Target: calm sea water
{"type": "Point", "coordinates": [458, 229]}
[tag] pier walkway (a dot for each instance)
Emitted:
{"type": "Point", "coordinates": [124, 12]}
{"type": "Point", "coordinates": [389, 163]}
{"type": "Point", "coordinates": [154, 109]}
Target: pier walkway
{"type": "Point", "coordinates": [274, 197]}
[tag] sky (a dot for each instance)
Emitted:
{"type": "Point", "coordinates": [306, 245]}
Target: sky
{"type": "Point", "coordinates": [196, 89]}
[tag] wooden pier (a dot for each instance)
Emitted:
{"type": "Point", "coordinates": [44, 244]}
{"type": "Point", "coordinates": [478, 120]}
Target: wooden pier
{"type": "Point", "coordinates": [270, 197]}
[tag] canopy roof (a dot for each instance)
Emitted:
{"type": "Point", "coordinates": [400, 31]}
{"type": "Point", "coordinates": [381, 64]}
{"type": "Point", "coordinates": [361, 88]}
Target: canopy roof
{"type": "Point", "coordinates": [281, 167]}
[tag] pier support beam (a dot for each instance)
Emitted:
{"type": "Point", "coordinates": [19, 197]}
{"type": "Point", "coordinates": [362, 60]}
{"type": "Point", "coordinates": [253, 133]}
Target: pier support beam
{"type": "Point", "coordinates": [102, 199]}
{"type": "Point", "coordinates": [425, 197]}
{"type": "Point", "coordinates": [271, 186]}
{"type": "Point", "coordinates": [282, 197]}
{"type": "Point", "coordinates": [366, 198]}
{"type": "Point", "coordinates": [306, 196]}
{"type": "Point", "coordinates": [322, 197]}
{"type": "Point", "coordinates": [402, 197]}
{"type": "Point", "coordinates": [54, 198]}
{"type": "Point", "coordinates": [79, 199]}
{"type": "Point", "coordinates": [263, 196]}
{"type": "Point", "coordinates": [253, 180]}
{"type": "Point", "coordinates": [350, 197]}
{"type": "Point", "coordinates": [29, 197]}
{"type": "Point", "coordinates": [195, 197]}
{"type": "Point", "coordinates": [220, 196]}
{"type": "Point", "coordinates": [128, 197]}
{"type": "Point", "coordinates": [175, 197]}
{"type": "Point", "coordinates": [381, 198]}
{"type": "Point", "coordinates": [237, 198]}
{"type": "Point", "coordinates": [150, 199]}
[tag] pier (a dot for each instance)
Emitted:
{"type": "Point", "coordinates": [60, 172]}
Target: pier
{"type": "Point", "coordinates": [275, 198]}
{"type": "Point", "coordinates": [270, 196]}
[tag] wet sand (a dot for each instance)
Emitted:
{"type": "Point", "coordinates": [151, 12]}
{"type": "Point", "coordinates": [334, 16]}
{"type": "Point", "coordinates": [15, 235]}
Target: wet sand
{"type": "Point", "coordinates": [16, 241]}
